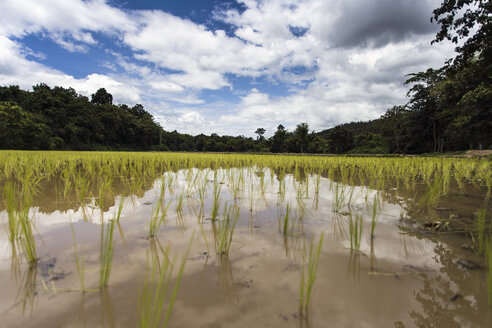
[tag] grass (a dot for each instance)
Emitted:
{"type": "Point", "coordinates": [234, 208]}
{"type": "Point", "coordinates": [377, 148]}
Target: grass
{"type": "Point", "coordinates": [153, 311]}
{"type": "Point", "coordinates": [308, 274]}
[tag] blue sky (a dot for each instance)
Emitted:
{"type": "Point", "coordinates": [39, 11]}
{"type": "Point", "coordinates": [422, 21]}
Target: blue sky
{"type": "Point", "coordinates": [225, 66]}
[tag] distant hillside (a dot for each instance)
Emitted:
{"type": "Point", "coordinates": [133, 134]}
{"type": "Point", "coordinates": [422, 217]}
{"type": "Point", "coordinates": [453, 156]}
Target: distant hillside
{"type": "Point", "coordinates": [374, 126]}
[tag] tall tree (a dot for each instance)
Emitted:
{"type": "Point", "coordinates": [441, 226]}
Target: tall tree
{"type": "Point", "coordinates": [301, 135]}
{"type": "Point", "coordinates": [102, 97]}
{"type": "Point", "coordinates": [468, 20]}
{"type": "Point", "coordinates": [395, 121]}
{"type": "Point", "coordinates": [340, 140]}
{"type": "Point", "coordinates": [278, 140]}
{"type": "Point", "coordinates": [260, 132]}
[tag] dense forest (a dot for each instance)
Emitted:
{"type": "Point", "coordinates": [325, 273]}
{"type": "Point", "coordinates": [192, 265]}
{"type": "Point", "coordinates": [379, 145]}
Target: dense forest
{"type": "Point", "coordinates": [449, 109]}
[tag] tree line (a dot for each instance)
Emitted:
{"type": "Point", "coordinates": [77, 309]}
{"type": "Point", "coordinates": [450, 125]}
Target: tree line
{"type": "Point", "coordinates": [61, 119]}
{"type": "Point", "coordinates": [449, 109]}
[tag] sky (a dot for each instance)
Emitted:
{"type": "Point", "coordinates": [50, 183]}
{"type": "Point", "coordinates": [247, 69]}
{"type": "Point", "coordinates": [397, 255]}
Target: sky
{"type": "Point", "coordinates": [226, 67]}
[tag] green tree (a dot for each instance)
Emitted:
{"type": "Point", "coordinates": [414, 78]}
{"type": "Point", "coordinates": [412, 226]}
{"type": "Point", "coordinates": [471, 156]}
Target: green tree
{"type": "Point", "coordinates": [340, 140]}
{"type": "Point", "coordinates": [301, 135]}
{"type": "Point", "coordinates": [468, 20]}
{"type": "Point", "coordinates": [20, 129]}
{"type": "Point", "coordinates": [318, 145]}
{"type": "Point", "coordinates": [278, 140]}
{"type": "Point", "coordinates": [395, 121]}
{"type": "Point", "coordinates": [102, 97]}
{"type": "Point", "coordinates": [260, 132]}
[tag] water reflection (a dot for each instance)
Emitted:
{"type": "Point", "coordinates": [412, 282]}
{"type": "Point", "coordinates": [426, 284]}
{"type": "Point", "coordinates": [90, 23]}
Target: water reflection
{"type": "Point", "coordinates": [455, 297]}
{"type": "Point", "coordinates": [226, 279]}
{"type": "Point", "coordinates": [49, 196]}
{"type": "Point", "coordinates": [373, 262]}
{"type": "Point", "coordinates": [82, 315]}
{"type": "Point", "coordinates": [338, 223]}
{"type": "Point", "coordinates": [354, 268]}
{"type": "Point", "coordinates": [259, 191]}
{"type": "Point", "coordinates": [26, 292]}
{"type": "Point", "coordinates": [107, 311]}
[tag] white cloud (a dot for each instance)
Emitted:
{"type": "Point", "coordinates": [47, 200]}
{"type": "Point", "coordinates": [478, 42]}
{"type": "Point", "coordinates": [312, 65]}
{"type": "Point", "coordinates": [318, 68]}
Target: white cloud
{"type": "Point", "coordinates": [355, 61]}
{"type": "Point", "coordinates": [16, 70]}
{"type": "Point", "coordinates": [67, 22]}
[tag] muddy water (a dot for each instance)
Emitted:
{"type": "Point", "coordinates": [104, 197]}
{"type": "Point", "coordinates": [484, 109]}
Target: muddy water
{"type": "Point", "coordinates": [405, 276]}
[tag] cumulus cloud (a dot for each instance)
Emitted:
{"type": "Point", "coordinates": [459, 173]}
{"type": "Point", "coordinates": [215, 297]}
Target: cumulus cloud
{"type": "Point", "coordinates": [16, 70]}
{"type": "Point", "coordinates": [340, 60]}
{"type": "Point", "coordinates": [377, 23]}
{"type": "Point", "coordinates": [68, 22]}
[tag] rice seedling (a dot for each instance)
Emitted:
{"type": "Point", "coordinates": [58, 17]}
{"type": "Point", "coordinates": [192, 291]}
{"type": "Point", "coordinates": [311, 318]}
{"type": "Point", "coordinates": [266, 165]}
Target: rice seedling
{"type": "Point", "coordinates": [120, 209]}
{"type": "Point", "coordinates": [261, 175]}
{"type": "Point", "coordinates": [179, 202]}
{"type": "Point", "coordinates": [488, 183]}
{"type": "Point", "coordinates": [338, 198]}
{"type": "Point", "coordinates": [26, 237]}
{"type": "Point", "coordinates": [201, 192]}
{"type": "Point", "coordinates": [317, 181]}
{"type": "Point", "coordinates": [281, 190]}
{"type": "Point", "coordinates": [9, 200]}
{"type": "Point", "coordinates": [351, 197]}
{"type": "Point", "coordinates": [355, 231]}
{"type": "Point", "coordinates": [225, 229]}
{"type": "Point", "coordinates": [157, 284]}
{"type": "Point", "coordinates": [488, 260]}
{"type": "Point", "coordinates": [158, 216]}
{"type": "Point", "coordinates": [79, 261]}
{"type": "Point", "coordinates": [289, 224]}
{"type": "Point", "coordinates": [481, 232]}
{"type": "Point", "coordinates": [300, 191]}
{"type": "Point", "coordinates": [83, 175]}
{"type": "Point", "coordinates": [104, 187]}
{"type": "Point", "coordinates": [309, 269]}
{"type": "Point", "coordinates": [252, 196]}
{"type": "Point", "coordinates": [68, 182]}
{"type": "Point", "coordinates": [106, 252]}
{"type": "Point", "coordinates": [216, 201]}
{"type": "Point", "coordinates": [374, 216]}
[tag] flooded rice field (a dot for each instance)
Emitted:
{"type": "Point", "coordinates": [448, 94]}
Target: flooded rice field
{"type": "Point", "coordinates": [115, 240]}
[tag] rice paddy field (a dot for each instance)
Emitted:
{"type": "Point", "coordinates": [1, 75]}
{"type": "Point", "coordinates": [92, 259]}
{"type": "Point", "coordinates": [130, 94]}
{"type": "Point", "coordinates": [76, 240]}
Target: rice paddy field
{"type": "Point", "coordinates": [96, 239]}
